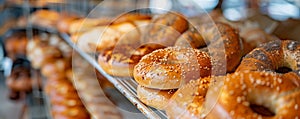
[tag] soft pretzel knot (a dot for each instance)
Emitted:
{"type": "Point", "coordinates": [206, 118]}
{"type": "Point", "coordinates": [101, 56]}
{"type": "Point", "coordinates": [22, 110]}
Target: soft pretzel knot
{"type": "Point", "coordinates": [273, 55]}
{"type": "Point", "coordinates": [232, 96]}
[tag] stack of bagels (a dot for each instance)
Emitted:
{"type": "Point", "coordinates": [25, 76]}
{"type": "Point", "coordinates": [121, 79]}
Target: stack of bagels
{"type": "Point", "coordinates": [209, 70]}
{"type": "Point", "coordinates": [52, 56]}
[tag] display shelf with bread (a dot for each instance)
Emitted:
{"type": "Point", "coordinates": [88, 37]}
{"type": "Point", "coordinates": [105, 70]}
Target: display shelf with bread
{"type": "Point", "coordinates": [180, 62]}
{"type": "Point", "coordinates": [163, 68]}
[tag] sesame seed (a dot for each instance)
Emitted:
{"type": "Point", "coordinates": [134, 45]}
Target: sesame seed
{"type": "Point", "coordinates": [239, 99]}
{"type": "Point", "coordinates": [232, 112]}
{"type": "Point", "coordinates": [246, 103]}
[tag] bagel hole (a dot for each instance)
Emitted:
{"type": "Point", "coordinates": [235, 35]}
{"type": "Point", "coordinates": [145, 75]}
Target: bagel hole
{"type": "Point", "coordinates": [283, 70]}
{"type": "Point", "coordinates": [261, 110]}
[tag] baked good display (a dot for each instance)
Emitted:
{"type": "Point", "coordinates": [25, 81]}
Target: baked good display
{"type": "Point", "coordinates": [50, 54]}
{"type": "Point", "coordinates": [189, 67]}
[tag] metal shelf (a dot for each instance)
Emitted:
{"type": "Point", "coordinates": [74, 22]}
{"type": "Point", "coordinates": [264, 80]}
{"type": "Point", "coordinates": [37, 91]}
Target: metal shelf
{"type": "Point", "coordinates": [126, 85]}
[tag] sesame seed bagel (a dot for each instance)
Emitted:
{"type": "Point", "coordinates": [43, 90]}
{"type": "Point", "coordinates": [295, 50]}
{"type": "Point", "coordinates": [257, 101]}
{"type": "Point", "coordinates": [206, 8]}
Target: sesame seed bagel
{"type": "Point", "coordinates": [187, 102]}
{"type": "Point", "coordinates": [164, 29]}
{"type": "Point", "coordinates": [222, 43]}
{"type": "Point", "coordinates": [120, 61]}
{"type": "Point", "coordinates": [273, 91]}
{"type": "Point", "coordinates": [154, 98]}
{"type": "Point", "coordinates": [273, 55]}
{"type": "Point", "coordinates": [171, 67]}
{"type": "Point", "coordinates": [233, 95]}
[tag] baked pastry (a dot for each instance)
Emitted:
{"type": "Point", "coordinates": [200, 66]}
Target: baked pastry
{"type": "Point", "coordinates": [44, 18]}
{"type": "Point", "coordinates": [188, 100]}
{"type": "Point", "coordinates": [102, 37]}
{"type": "Point", "coordinates": [222, 41]}
{"type": "Point", "coordinates": [131, 17]}
{"type": "Point", "coordinates": [56, 68]}
{"type": "Point", "coordinates": [120, 60]}
{"type": "Point", "coordinates": [158, 99]}
{"type": "Point", "coordinates": [232, 96]}
{"type": "Point", "coordinates": [272, 56]}
{"type": "Point", "coordinates": [164, 29]}
{"type": "Point", "coordinates": [171, 67]}
{"type": "Point", "coordinates": [241, 90]}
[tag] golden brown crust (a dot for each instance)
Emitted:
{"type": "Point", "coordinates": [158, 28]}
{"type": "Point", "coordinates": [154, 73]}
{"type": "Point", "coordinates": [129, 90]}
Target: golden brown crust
{"type": "Point", "coordinates": [187, 102]}
{"type": "Point", "coordinates": [241, 89]}
{"type": "Point", "coordinates": [155, 98]}
{"type": "Point", "coordinates": [131, 17]}
{"type": "Point", "coordinates": [273, 55]}
{"type": "Point", "coordinates": [85, 24]}
{"type": "Point", "coordinates": [190, 38]}
{"type": "Point", "coordinates": [64, 23]}
{"type": "Point", "coordinates": [120, 61]}
{"type": "Point", "coordinates": [78, 112]}
{"type": "Point", "coordinates": [45, 18]}
{"type": "Point", "coordinates": [39, 53]}
{"type": "Point", "coordinates": [231, 96]}
{"type": "Point", "coordinates": [222, 41]}
{"type": "Point", "coordinates": [165, 29]}
{"type": "Point", "coordinates": [171, 67]}
{"type": "Point", "coordinates": [56, 68]}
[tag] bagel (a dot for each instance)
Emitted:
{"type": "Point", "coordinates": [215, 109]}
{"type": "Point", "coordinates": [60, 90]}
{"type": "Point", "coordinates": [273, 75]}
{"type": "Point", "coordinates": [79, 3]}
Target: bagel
{"type": "Point", "coordinates": [154, 98]}
{"type": "Point", "coordinates": [241, 90]}
{"type": "Point", "coordinates": [120, 61]}
{"type": "Point", "coordinates": [164, 29]}
{"type": "Point", "coordinates": [131, 17]}
{"type": "Point", "coordinates": [78, 112]}
{"type": "Point", "coordinates": [56, 68]}
{"type": "Point", "coordinates": [222, 41]}
{"type": "Point", "coordinates": [187, 101]}
{"type": "Point", "coordinates": [190, 38]}
{"type": "Point", "coordinates": [273, 55]}
{"type": "Point", "coordinates": [57, 99]}
{"type": "Point", "coordinates": [42, 55]}
{"type": "Point", "coordinates": [232, 96]}
{"type": "Point", "coordinates": [171, 67]}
